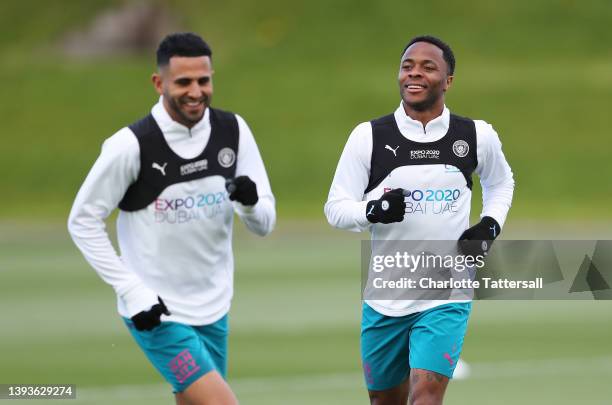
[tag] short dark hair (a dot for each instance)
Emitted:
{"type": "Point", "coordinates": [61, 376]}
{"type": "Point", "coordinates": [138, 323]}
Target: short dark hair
{"type": "Point", "coordinates": [447, 52]}
{"type": "Point", "coordinates": [181, 44]}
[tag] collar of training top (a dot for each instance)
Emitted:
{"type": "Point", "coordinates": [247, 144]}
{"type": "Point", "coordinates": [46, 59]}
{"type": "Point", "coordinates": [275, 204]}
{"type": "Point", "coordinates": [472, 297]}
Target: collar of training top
{"type": "Point", "coordinates": [413, 129]}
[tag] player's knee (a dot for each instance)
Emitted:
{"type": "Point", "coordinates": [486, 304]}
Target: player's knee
{"type": "Point", "coordinates": [426, 394]}
{"type": "Point", "coordinates": [386, 397]}
{"type": "Point", "coordinates": [225, 399]}
{"type": "Point", "coordinates": [378, 400]}
{"type": "Point", "coordinates": [381, 400]}
{"type": "Point", "coordinates": [229, 399]}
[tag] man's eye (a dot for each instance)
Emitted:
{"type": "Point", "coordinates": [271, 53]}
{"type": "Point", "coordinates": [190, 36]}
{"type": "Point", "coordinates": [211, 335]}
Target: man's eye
{"type": "Point", "coordinates": [183, 82]}
{"type": "Point", "coordinates": [204, 81]}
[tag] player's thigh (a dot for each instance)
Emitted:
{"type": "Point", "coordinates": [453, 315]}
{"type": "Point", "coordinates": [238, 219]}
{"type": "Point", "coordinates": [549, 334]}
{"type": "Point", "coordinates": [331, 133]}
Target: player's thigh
{"type": "Point", "coordinates": [384, 349]}
{"type": "Point", "coordinates": [437, 338]}
{"type": "Point", "coordinates": [176, 351]}
{"type": "Point", "coordinates": [209, 389]}
{"type": "Point", "coordinates": [214, 337]}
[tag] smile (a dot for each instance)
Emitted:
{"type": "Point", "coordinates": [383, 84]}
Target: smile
{"type": "Point", "coordinates": [415, 88]}
{"type": "Point", "coordinates": [193, 104]}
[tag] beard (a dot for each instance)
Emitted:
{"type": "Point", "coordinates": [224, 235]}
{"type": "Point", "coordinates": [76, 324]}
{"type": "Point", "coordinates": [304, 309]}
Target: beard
{"type": "Point", "coordinates": [182, 116]}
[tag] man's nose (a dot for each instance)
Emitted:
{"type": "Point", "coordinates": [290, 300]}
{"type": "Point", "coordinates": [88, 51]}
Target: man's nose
{"type": "Point", "coordinates": [194, 90]}
{"type": "Point", "coordinates": [415, 72]}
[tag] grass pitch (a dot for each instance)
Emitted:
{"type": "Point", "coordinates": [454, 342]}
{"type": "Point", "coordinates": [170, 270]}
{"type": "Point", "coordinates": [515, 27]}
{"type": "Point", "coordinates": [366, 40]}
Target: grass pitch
{"type": "Point", "coordinates": [294, 329]}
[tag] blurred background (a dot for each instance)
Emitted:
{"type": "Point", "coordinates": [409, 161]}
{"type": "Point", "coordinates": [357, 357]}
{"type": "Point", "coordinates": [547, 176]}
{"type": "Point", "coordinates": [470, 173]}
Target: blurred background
{"type": "Point", "coordinates": [303, 74]}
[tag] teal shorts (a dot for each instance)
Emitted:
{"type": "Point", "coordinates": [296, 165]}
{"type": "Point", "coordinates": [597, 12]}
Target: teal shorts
{"type": "Point", "coordinates": [183, 353]}
{"type": "Point", "coordinates": [429, 340]}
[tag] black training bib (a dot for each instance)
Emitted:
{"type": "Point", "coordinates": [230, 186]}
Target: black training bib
{"type": "Point", "coordinates": [390, 149]}
{"type": "Point", "coordinates": [160, 167]}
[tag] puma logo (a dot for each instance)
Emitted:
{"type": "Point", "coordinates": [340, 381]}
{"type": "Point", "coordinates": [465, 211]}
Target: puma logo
{"type": "Point", "coordinates": [371, 211]}
{"type": "Point", "coordinates": [392, 150]}
{"type": "Point", "coordinates": [162, 169]}
{"type": "Point", "coordinates": [494, 231]}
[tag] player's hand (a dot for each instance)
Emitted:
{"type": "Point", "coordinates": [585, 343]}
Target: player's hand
{"type": "Point", "coordinates": [389, 208]}
{"type": "Point", "coordinates": [477, 240]}
{"type": "Point", "coordinates": [242, 189]}
{"type": "Point", "coordinates": [147, 320]}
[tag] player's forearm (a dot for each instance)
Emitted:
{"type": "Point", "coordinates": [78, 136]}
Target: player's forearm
{"type": "Point", "coordinates": [92, 240]}
{"type": "Point", "coordinates": [259, 218]}
{"type": "Point", "coordinates": [344, 208]}
{"type": "Point", "coordinates": [496, 200]}
{"type": "Point", "coordinates": [90, 237]}
{"type": "Point", "coordinates": [347, 214]}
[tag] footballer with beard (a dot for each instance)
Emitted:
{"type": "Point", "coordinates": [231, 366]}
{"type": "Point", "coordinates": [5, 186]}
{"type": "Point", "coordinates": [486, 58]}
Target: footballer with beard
{"type": "Point", "coordinates": [177, 176]}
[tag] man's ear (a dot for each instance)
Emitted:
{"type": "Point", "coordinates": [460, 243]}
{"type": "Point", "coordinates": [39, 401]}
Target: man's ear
{"type": "Point", "coordinates": [157, 83]}
{"type": "Point", "coordinates": [449, 82]}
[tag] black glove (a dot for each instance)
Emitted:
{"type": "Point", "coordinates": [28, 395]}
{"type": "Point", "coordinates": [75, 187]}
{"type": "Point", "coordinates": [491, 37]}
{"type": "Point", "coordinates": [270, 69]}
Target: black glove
{"type": "Point", "coordinates": [389, 208]}
{"type": "Point", "coordinates": [242, 189]}
{"type": "Point", "coordinates": [478, 239]}
{"type": "Point", "coordinates": [147, 320]}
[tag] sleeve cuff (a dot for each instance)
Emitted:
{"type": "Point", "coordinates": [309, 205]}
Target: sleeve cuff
{"type": "Point", "coordinates": [242, 209]}
{"type": "Point", "coordinates": [139, 298]}
{"type": "Point", "coordinates": [360, 215]}
{"type": "Point", "coordinates": [501, 219]}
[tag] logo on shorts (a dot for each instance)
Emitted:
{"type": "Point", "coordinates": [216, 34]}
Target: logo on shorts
{"type": "Point", "coordinates": [367, 372]}
{"type": "Point", "coordinates": [183, 366]}
{"type": "Point", "coordinates": [449, 359]}
{"type": "Point", "coordinates": [226, 157]}
{"type": "Point", "coordinates": [461, 148]}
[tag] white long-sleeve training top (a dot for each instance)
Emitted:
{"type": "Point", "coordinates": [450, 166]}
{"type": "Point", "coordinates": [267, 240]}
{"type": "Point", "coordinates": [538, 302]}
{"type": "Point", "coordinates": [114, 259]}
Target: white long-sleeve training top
{"type": "Point", "coordinates": [179, 247]}
{"type": "Point", "coordinates": [426, 218]}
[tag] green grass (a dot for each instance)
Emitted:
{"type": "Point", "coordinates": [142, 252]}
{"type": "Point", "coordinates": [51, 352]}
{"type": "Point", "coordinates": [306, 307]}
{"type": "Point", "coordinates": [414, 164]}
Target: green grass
{"type": "Point", "coordinates": [303, 74]}
{"type": "Point", "coordinates": [294, 329]}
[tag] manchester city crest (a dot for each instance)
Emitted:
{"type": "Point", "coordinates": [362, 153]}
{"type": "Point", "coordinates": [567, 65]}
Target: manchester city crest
{"type": "Point", "coordinates": [226, 157]}
{"type": "Point", "coordinates": [461, 148]}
